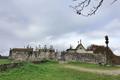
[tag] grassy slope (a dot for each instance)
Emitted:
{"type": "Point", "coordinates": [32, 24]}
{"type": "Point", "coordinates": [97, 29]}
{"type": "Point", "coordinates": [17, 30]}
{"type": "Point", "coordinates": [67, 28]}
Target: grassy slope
{"type": "Point", "coordinates": [94, 66]}
{"type": "Point", "coordinates": [4, 61]}
{"type": "Point", "coordinates": [50, 71]}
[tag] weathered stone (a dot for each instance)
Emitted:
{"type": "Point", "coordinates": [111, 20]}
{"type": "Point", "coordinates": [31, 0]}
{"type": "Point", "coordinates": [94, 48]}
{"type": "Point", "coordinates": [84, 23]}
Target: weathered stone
{"type": "Point", "coordinates": [27, 54]}
{"type": "Point", "coordinates": [4, 67]}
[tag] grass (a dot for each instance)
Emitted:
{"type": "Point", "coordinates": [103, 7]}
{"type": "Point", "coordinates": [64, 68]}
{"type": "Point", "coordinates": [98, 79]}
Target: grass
{"type": "Point", "coordinates": [50, 71]}
{"type": "Point", "coordinates": [93, 66]}
{"type": "Point", "coordinates": [4, 61]}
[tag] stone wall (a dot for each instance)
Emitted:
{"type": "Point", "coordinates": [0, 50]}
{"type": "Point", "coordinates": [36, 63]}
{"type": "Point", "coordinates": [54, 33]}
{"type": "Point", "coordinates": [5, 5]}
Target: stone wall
{"type": "Point", "coordinates": [85, 57]}
{"type": "Point", "coordinates": [31, 56]}
{"type": "Point", "coordinates": [4, 67]}
{"type": "Point", "coordinates": [38, 56]}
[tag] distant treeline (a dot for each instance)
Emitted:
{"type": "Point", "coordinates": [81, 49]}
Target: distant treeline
{"type": "Point", "coordinates": [3, 57]}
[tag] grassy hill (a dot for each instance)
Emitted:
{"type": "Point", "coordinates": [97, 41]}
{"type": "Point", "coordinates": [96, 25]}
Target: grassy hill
{"type": "Point", "coordinates": [51, 71]}
{"type": "Point", "coordinates": [4, 61]}
{"type": "Point", "coordinates": [93, 66]}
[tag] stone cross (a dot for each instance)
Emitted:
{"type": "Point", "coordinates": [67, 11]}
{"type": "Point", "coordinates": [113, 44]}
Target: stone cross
{"type": "Point", "coordinates": [80, 41]}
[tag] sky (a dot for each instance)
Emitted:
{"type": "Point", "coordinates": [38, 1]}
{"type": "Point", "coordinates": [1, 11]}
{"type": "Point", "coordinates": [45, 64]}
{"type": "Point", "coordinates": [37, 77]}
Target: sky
{"type": "Point", "coordinates": [53, 22]}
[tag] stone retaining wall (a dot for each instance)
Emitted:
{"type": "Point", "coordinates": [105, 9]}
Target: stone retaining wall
{"type": "Point", "coordinates": [85, 57]}
{"type": "Point", "coordinates": [4, 67]}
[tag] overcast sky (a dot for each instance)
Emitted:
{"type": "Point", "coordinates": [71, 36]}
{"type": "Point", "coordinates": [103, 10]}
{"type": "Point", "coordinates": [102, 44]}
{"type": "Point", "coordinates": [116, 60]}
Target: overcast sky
{"type": "Point", "coordinates": [53, 22]}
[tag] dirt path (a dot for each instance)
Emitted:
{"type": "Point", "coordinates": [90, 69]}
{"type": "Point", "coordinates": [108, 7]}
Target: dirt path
{"type": "Point", "coordinates": [106, 72]}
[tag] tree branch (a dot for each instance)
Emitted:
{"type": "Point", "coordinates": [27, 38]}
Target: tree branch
{"type": "Point", "coordinates": [113, 1]}
{"type": "Point", "coordinates": [81, 6]}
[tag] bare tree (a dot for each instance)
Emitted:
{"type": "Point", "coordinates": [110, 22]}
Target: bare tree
{"type": "Point", "coordinates": [82, 6]}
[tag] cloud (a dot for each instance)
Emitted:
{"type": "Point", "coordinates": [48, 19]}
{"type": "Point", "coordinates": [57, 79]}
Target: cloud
{"type": "Point", "coordinates": [32, 31]}
{"type": "Point", "coordinates": [43, 22]}
{"type": "Point", "coordinates": [117, 52]}
{"type": "Point", "coordinates": [62, 42]}
{"type": "Point", "coordinates": [112, 30]}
